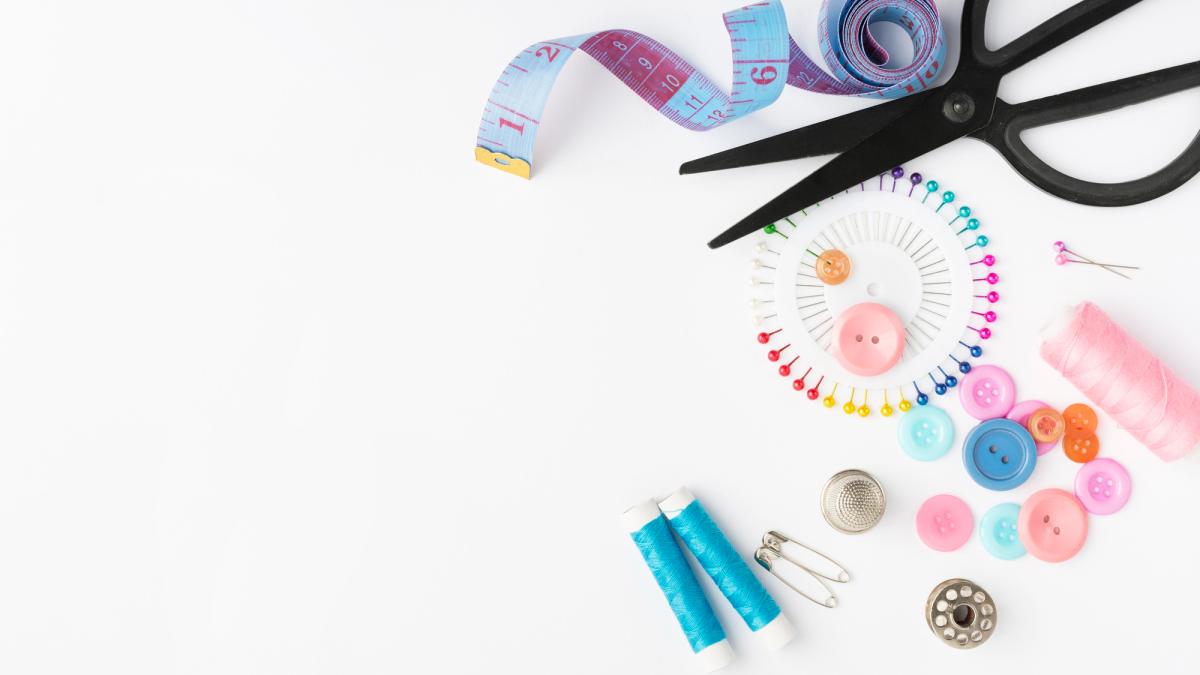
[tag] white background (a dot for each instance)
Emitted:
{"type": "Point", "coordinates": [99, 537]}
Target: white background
{"type": "Point", "coordinates": [289, 383]}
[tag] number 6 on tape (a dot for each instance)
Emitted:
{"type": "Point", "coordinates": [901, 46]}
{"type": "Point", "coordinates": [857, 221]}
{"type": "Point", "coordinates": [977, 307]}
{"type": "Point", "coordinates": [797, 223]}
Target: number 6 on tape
{"type": "Point", "coordinates": [764, 59]}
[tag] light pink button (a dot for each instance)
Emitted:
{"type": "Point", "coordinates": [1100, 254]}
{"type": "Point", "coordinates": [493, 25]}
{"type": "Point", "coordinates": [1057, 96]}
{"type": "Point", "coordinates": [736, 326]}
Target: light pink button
{"type": "Point", "coordinates": [1103, 486]}
{"type": "Point", "coordinates": [868, 339]}
{"type": "Point", "coordinates": [944, 522]}
{"type": "Point", "coordinates": [1020, 414]}
{"type": "Point", "coordinates": [987, 392]}
{"type": "Point", "coordinates": [1052, 525]}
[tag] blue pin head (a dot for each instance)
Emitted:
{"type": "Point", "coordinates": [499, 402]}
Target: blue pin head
{"type": "Point", "coordinates": [972, 224]}
{"type": "Point", "coordinates": [951, 381]}
{"type": "Point", "coordinates": [964, 367]}
{"type": "Point", "coordinates": [940, 389]}
{"type": "Point", "coordinates": [922, 398]}
{"type": "Point", "coordinates": [977, 351]}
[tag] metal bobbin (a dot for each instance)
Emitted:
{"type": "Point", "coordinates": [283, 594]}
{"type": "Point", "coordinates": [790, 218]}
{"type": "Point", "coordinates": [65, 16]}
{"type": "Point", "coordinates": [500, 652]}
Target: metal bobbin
{"type": "Point", "coordinates": [961, 613]}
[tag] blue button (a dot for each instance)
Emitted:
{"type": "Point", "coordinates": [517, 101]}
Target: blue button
{"type": "Point", "coordinates": [926, 433]}
{"type": "Point", "coordinates": [998, 531]}
{"type": "Point", "coordinates": [999, 454]}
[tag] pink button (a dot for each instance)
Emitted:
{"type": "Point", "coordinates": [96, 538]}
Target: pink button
{"type": "Point", "coordinates": [1103, 486]}
{"type": "Point", "coordinates": [1052, 525]}
{"type": "Point", "coordinates": [944, 522]}
{"type": "Point", "coordinates": [987, 392]}
{"type": "Point", "coordinates": [868, 339]}
{"type": "Point", "coordinates": [1020, 414]}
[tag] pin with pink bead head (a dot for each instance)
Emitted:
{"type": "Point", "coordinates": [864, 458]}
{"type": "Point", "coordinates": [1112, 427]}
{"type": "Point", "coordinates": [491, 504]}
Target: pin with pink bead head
{"type": "Point", "coordinates": [1064, 255]}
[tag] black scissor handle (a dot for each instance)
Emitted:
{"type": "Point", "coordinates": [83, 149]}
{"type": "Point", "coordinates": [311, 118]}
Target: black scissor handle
{"type": "Point", "coordinates": [1008, 121]}
{"type": "Point", "coordinates": [1051, 33]}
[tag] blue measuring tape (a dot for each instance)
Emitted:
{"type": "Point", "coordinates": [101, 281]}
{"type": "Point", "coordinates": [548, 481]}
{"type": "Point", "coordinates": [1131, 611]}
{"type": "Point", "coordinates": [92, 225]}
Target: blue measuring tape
{"type": "Point", "coordinates": [764, 59]}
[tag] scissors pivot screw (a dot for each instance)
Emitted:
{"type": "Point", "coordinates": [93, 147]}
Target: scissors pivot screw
{"type": "Point", "coordinates": [959, 107]}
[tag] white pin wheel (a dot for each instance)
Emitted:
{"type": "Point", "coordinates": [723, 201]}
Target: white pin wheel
{"type": "Point", "coordinates": [881, 295]}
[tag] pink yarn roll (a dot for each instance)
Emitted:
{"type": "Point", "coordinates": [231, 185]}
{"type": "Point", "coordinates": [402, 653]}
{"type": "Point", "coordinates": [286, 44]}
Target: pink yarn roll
{"type": "Point", "coordinates": [1124, 379]}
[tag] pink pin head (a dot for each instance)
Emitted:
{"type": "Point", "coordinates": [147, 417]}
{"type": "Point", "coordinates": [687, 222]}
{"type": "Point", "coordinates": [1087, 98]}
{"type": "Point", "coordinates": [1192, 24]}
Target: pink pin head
{"type": "Point", "coordinates": [989, 260]}
{"type": "Point", "coordinates": [989, 316]}
{"type": "Point", "coordinates": [993, 297]}
{"type": "Point", "coordinates": [993, 278]}
{"type": "Point", "coordinates": [985, 333]}
{"type": "Point", "coordinates": [1060, 259]}
{"type": "Point", "coordinates": [1059, 246]}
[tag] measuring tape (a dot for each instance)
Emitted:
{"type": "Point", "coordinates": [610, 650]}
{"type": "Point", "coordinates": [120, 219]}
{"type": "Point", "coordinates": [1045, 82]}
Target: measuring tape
{"type": "Point", "coordinates": [764, 59]}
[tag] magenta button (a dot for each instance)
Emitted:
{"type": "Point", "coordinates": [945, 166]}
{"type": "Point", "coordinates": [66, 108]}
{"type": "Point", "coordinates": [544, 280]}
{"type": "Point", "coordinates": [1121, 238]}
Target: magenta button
{"type": "Point", "coordinates": [868, 339]}
{"type": "Point", "coordinates": [944, 522]}
{"type": "Point", "coordinates": [987, 392]}
{"type": "Point", "coordinates": [1103, 486]}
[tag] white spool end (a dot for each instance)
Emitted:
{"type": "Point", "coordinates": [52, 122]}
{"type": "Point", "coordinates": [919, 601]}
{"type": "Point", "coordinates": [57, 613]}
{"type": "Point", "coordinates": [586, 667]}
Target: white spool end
{"type": "Point", "coordinates": [1059, 324]}
{"type": "Point", "coordinates": [715, 656]}
{"type": "Point", "coordinates": [777, 633]}
{"type": "Point", "coordinates": [676, 502]}
{"type": "Point", "coordinates": [637, 516]}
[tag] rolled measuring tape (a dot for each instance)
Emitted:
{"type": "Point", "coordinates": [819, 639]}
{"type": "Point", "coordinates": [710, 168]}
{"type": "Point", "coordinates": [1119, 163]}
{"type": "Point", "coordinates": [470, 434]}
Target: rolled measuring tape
{"type": "Point", "coordinates": [726, 568]}
{"type": "Point", "coordinates": [764, 59]}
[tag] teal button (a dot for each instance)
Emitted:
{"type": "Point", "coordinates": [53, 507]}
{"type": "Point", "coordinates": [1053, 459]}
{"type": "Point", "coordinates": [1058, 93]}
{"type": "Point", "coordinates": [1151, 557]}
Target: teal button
{"type": "Point", "coordinates": [998, 531]}
{"type": "Point", "coordinates": [926, 433]}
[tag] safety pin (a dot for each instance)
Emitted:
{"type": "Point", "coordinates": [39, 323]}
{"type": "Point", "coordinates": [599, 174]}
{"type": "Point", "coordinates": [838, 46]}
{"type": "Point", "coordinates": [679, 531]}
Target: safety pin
{"type": "Point", "coordinates": [772, 551]}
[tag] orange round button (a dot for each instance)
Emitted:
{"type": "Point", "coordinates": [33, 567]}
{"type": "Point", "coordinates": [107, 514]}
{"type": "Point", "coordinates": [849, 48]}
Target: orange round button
{"type": "Point", "coordinates": [833, 266]}
{"type": "Point", "coordinates": [1081, 448]}
{"type": "Point", "coordinates": [1080, 419]}
{"type": "Point", "coordinates": [1046, 425]}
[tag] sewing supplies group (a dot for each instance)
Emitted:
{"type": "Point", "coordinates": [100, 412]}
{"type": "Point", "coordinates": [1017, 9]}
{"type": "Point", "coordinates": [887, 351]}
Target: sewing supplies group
{"type": "Point", "coordinates": [875, 281]}
{"type": "Point", "coordinates": [765, 58]}
{"type": "Point", "coordinates": [874, 140]}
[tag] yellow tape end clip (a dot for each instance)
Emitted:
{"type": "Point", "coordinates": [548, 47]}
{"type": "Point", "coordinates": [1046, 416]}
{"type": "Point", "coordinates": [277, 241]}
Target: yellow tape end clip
{"type": "Point", "coordinates": [499, 160]}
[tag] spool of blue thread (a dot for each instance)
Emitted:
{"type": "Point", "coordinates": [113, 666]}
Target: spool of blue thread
{"type": "Point", "coordinates": [650, 532]}
{"type": "Point", "coordinates": [728, 571]}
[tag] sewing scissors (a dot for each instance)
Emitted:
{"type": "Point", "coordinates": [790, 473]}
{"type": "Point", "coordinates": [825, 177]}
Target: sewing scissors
{"type": "Point", "coordinates": [876, 139]}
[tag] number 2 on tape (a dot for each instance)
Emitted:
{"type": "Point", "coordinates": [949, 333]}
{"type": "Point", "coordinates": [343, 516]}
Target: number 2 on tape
{"type": "Point", "coordinates": [765, 58]}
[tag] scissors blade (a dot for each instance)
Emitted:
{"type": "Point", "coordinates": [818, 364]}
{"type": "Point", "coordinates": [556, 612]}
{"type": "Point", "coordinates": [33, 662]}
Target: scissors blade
{"type": "Point", "coordinates": [823, 138]}
{"type": "Point", "coordinates": [921, 129]}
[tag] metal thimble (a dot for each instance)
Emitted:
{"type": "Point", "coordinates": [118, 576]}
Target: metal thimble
{"type": "Point", "coordinates": [852, 501]}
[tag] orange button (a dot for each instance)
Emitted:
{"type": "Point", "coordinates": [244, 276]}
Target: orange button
{"type": "Point", "coordinates": [833, 267]}
{"type": "Point", "coordinates": [1046, 425]}
{"type": "Point", "coordinates": [1080, 419]}
{"type": "Point", "coordinates": [1081, 447]}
